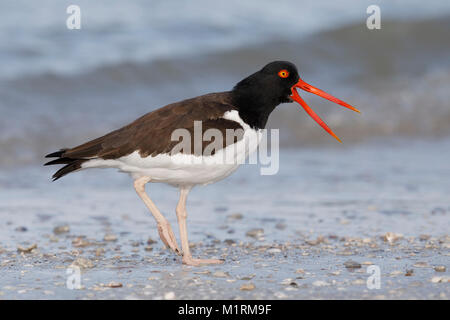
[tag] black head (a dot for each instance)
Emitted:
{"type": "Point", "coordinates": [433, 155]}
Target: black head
{"type": "Point", "coordinates": [257, 95]}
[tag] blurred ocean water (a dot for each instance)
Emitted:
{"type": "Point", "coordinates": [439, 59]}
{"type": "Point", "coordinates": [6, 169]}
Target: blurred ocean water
{"type": "Point", "coordinates": [59, 87]}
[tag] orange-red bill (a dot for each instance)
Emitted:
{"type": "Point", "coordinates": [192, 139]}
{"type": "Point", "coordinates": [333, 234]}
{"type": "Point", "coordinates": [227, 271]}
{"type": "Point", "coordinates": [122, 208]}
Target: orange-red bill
{"type": "Point", "coordinates": [295, 96]}
{"type": "Point", "coordinates": [307, 87]}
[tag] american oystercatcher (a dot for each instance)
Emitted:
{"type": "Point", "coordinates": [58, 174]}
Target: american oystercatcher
{"type": "Point", "coordinates": [148, 151]}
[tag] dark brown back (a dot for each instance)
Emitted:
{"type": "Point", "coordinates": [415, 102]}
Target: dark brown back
{"type": "Point", "coordinates": [151, 133]}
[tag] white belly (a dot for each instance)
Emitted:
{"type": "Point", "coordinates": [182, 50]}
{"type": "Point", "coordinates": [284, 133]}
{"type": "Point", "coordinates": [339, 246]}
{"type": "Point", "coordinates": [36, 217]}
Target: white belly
{"type": "Point", "coordinates": [182, 169]}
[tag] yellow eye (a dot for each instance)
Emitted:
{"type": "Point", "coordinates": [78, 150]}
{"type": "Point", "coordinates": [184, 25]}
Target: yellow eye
{"type": "Point", "coordinates": [283, 73]}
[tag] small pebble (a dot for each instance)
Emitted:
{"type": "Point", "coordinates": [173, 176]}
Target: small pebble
{"type": "Point", "coordinates": [235, 216]}
{"type": "Point", "coordinates": [255, 233]}
{"type": "Point", "coordinates": [61, 229]}
{"type": "Point", "coordinates": [315, 242]}
{"type": "Point", "coordinates": [114, 285]}
{"type": "Point", "coordinates": [409, 272]}
{"type": "Point", "coordinates": [229, 242]}
{"type": "Point", "coordinates": [247, 287]}
{"type": "Point", "coordinates": [203, 272]}
{"type": "Point", "coordinates": [440, 269]}
{"type": "Point", "coordinates": [443, 279]}
{"type": "Point", "coordinates": [392, 237]}
{"type": "Point", "coordinates": [359, 282]}
{"type": "Point", "coordinates": [83, 263]}
{"type": "Point", "coordinates": [110, 237]}
{"type": "Point", "coordinates": [421, 264]}
{"type": "Point", "coordinates": [80, 242]}
{"type": "Point", "coordinates": [169, 295]}
{"type": "Point", "coordinates": [280, 295]}
{"type": "Point", "coordinates": [424, 237]}
{"type": "Point", "coordinates": [287, 281]}
{"type": "Point", "coordinates": [27, 249]}
{"type": "Point", "coordinates": [350, 264]}
{"type": "Point", "coordinates": [220, 274]}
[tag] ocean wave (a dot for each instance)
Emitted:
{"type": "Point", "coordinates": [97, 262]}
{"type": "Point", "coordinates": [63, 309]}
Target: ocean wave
{"type": "Point", "coordinates": [34, 38]}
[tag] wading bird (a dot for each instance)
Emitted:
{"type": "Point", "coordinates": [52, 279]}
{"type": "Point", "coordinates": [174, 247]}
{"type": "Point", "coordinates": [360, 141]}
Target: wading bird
{"type": "Point", "coordinates": [145, 147]}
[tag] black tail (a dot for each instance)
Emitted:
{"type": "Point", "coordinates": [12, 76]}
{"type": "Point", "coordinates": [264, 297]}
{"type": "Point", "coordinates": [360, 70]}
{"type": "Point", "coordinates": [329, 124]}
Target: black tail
{"type": "Point", "coordinates": [70, 163]}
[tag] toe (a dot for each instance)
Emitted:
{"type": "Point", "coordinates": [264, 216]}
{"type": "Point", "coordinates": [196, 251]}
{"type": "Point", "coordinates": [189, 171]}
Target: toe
{"type": "Point", "coordinates": [197, 262]}
{"type": "Point", "coordinates": [168, 238]}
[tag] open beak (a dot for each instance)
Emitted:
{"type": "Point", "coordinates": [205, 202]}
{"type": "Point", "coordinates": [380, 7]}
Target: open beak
{"type": "Point", "coordinates": [307, 87]}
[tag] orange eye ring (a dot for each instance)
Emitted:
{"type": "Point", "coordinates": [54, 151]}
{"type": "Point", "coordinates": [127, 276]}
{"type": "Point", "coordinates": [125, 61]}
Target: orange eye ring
{"type": "Point", "coordinates": [283, 73]}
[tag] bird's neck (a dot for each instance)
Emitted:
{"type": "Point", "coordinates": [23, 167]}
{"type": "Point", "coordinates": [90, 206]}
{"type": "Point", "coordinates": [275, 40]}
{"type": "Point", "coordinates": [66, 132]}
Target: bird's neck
{"type": "Point", "coordinates": [253, 109]}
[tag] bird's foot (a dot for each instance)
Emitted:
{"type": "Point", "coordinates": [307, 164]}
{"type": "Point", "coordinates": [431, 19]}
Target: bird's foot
{"type": "Point", "coordinates": [168, 237]}
{"type": "Point", "coordinates": [197, 262]}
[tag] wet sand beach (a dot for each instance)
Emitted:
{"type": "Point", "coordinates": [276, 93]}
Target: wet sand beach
{"type": "Point", "coordinates": [309, 232]}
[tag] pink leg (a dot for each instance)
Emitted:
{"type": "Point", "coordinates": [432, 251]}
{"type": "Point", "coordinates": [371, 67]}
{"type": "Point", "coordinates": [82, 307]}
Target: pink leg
{"type": "Point", "coordinates": [165, 230]}
{"type": "Point", "coordinates": [182, 215]}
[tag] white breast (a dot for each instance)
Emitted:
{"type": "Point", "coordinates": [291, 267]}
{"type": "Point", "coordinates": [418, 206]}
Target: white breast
{"type": "Point", "coordinates": [183, 169]}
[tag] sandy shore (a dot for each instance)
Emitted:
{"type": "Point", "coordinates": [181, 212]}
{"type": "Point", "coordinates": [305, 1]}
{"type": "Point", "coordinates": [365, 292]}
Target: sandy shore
{"type": "Point", "coordinates": [309, 232]}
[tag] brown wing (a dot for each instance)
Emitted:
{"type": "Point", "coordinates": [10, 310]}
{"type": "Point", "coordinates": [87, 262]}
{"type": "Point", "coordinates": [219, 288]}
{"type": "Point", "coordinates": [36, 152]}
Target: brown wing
{"type": "Point", "coordinates": [151, 134]}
